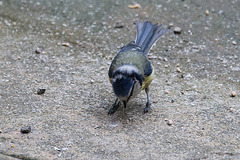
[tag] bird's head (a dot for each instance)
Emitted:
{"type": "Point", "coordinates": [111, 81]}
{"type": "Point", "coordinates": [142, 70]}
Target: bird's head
{"type": "Point", "coordinates": [126, 82]}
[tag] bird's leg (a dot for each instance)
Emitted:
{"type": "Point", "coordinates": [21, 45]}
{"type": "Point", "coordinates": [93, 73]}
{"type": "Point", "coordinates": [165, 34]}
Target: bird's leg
{"type": "Point", "coordinates": [124, 106]}
{"type": "Point", "coordinates": [148, 105]}
{"type": "Point", "coordinates": [114, 107]}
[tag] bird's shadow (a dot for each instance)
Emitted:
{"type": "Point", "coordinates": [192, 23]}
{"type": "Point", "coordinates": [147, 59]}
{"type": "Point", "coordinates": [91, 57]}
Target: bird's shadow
{"type": "Point", "coordinates": [132, 112]}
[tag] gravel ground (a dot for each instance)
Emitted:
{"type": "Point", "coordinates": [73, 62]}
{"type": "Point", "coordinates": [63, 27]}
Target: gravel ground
{"type": "Point", "coordinates": [66, 47]}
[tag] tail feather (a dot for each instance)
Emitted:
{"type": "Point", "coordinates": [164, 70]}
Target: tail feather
{"type": "Point", "coordinates": [148, 34]}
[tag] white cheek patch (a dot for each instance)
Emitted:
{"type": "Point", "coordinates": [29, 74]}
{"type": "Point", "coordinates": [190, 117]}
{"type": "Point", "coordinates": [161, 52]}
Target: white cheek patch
{"type": "Point", "coordinates": [128, 69]}
{"type": "Point", "coordinates": [119, 76]}
{"type": "Point", "coordinates": [137, 88]}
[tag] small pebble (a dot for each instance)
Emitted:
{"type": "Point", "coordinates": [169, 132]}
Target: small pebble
{"type": "Point", "coordinates": [152, 57]}
{"type": "Point", "coordinates": [170, 25]}
{"type": "Point", "coordinates": [166, 92]}
{"type": "Point", "coordinates": [233, 94]}
{"type": "Point", "coordinates": [38, 51]}
{"type": "Point", "coordinates": [231, 109]}
{"type": "Point", "coordinates": [134, 6]}
{"type": "Point", "coordinates": [185, 6]}
{"type": "Point", "coordinates": [234, 42]}
{"type": "Point", "coordinates": [57, 149]}
{"type": "Point", "coordinates": [207, 12]}
{"type": "Point", "coordinates": [26, 130]}
{"type": "Point", "coordinates": [177, 30]}
{"type": "Point", "coordinates": [92, 81]}
{"type": "Point", "coordinates": [0, 131]}
{"type": "Point", "coordinates": [118, 25]}
{"type": "Point", "coordinates": [165, 59]}
{"type": "Point", "coordinates": [178, 70]}
{"type": "Point", "coordinates": [97, 127]}
{"type": "Point", "coordinates": [65, 44]}
{"type": "Point", "coordinates": [41, 91]}
{"type": "Point", "coordinates": [169, 121]}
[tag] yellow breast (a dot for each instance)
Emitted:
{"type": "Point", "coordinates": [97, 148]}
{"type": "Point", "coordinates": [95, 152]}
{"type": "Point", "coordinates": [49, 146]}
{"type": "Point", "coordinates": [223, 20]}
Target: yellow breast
{"type": "Point", "coordinates": [148, 79]}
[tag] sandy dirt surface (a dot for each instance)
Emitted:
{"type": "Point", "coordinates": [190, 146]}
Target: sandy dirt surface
{"type": "Point", "coordinates": [66, 47]}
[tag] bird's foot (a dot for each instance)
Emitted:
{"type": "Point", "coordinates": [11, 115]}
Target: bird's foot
{"type": "Point", "coordinates": [114, 108]}
{"type": "Point", "coordinates": [147, 108]}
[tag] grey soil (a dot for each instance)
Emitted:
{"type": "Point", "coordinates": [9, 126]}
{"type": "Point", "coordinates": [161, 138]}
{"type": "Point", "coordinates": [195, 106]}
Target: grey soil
{"type": "Point", "coordinates": [65, 47]}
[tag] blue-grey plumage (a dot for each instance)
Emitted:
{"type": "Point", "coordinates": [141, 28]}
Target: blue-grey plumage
{"type": "Point", "coordinates": [131, 71]}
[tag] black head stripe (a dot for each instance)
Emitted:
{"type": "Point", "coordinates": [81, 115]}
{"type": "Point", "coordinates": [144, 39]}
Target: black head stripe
{"type": "Point", "coordinates": [131, 91]}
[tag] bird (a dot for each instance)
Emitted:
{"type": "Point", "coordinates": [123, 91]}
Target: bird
{"type": "Point", "coordinates": [130, 71]}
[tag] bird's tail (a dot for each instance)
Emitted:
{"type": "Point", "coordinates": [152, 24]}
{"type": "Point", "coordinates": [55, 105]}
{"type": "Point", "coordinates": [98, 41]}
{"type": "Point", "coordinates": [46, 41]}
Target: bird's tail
{"type": "Point", "coordinates": [148, 34]}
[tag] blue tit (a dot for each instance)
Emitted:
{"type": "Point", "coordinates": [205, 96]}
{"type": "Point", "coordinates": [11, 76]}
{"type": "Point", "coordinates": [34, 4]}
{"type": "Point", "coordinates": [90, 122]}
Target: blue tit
{"type": "Point", "coordinates": [130, 71]}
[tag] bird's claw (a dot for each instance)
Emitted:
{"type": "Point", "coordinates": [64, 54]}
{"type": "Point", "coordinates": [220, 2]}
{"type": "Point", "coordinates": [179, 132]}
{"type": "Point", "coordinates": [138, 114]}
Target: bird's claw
{"type": "Point", "coordinates": [147, 108]}
{"type": "Point", "coordinates": [114, 108]}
